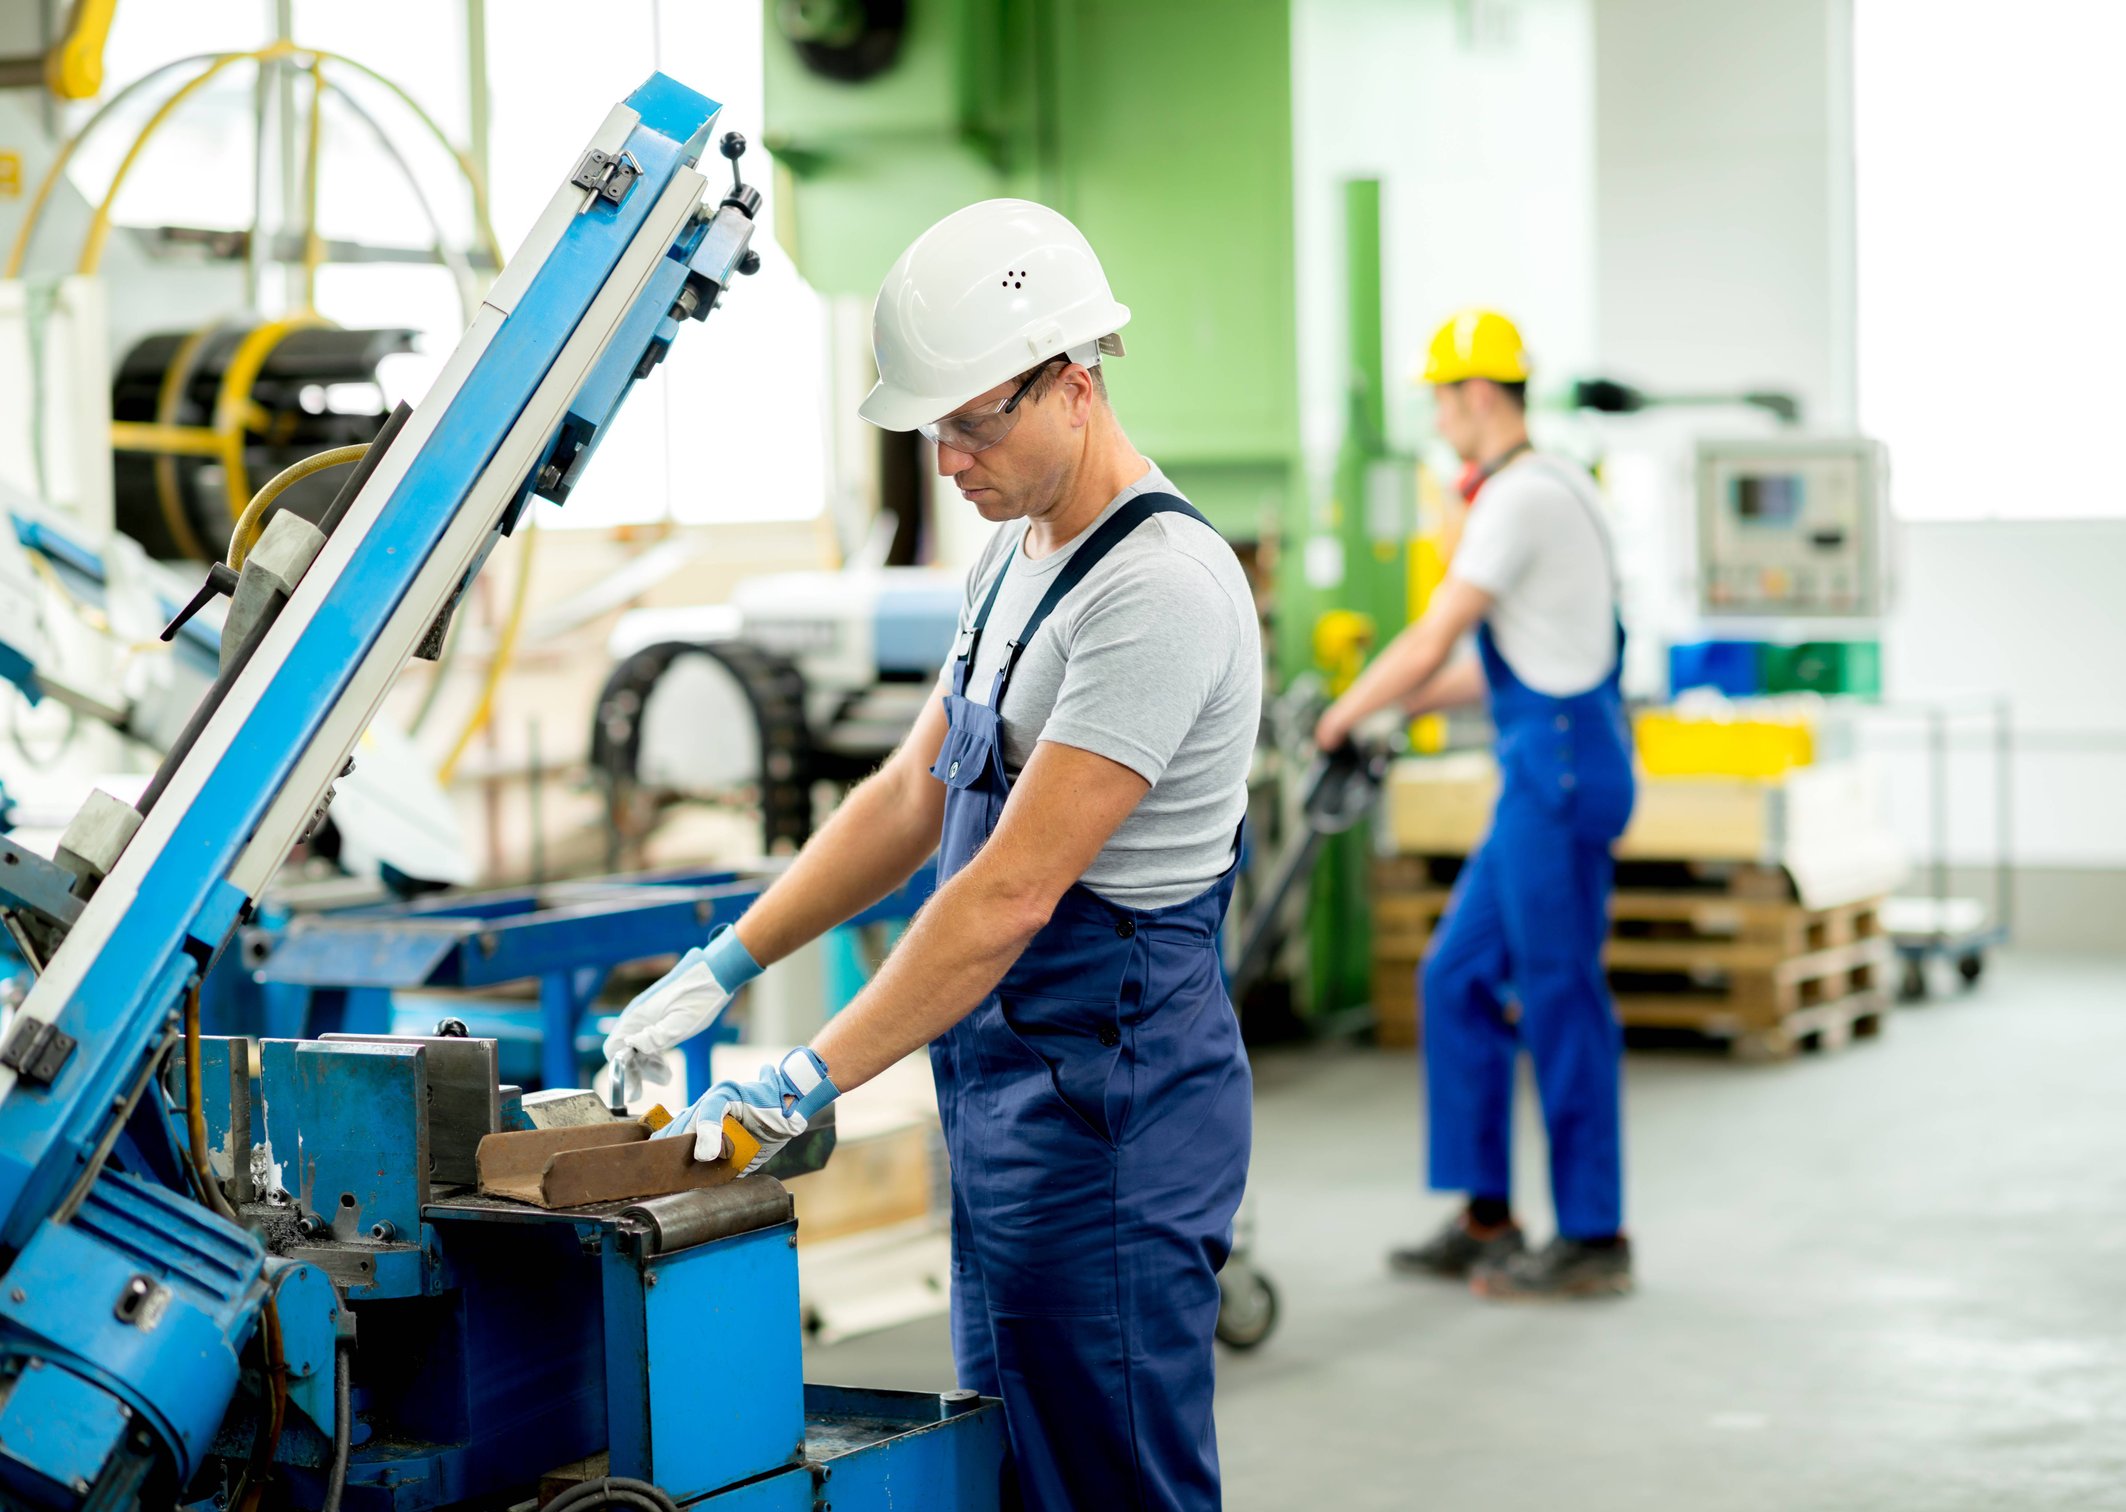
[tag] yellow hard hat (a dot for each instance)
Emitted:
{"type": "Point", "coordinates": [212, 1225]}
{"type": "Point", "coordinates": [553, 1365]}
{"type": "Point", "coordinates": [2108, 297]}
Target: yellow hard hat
{"type": "Point", "coordinates": [1476, 343]}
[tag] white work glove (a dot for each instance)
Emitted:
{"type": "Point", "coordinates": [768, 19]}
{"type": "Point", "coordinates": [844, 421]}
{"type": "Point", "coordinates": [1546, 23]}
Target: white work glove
{"type": "Point", "coordinates": [774, 1109]}
{"type": "Point", "coordinates": [682, 1003]}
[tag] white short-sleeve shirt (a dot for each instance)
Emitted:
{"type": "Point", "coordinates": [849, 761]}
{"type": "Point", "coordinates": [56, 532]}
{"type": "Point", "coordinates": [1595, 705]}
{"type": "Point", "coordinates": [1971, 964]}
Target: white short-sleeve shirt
{"type": "Point", "coordinates": [1536, 542]}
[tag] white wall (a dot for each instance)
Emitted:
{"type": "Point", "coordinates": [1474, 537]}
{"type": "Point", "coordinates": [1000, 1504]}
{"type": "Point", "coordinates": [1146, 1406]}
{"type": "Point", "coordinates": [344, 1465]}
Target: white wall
{"type": "Point", "coordinates": [1723, 216]}
{"type": "Point", "coordinates": [2031, 608]}
{"type": "Point", "coordinates": [1724, 237]}
{"type": "Point", "coordinates": [1478, 120]}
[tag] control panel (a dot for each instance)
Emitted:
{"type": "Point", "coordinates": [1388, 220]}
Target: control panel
{"type": "Point", "coordinates": [1792, 527]}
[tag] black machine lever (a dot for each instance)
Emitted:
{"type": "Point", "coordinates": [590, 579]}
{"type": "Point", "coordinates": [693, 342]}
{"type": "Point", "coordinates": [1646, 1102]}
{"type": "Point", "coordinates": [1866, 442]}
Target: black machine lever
{"type": "Point", "coordinates": [221, 582]}
{"type": "Point", "coordinates": [743, 196]}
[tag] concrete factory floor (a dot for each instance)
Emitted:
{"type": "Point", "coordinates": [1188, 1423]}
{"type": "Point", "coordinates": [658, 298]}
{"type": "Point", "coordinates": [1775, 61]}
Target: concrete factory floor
{"type": "Point", "coordinates": [1891, 1277]}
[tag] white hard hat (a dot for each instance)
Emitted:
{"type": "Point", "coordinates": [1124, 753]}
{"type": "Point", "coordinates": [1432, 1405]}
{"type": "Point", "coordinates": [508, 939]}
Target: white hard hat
{"type": "Point", "coordinates": [983, 295]}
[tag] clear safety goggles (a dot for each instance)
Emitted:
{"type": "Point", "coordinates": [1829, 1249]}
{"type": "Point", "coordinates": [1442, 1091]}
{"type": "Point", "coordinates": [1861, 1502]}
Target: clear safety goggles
{"type": "Point", "coordinates": [978, 430]}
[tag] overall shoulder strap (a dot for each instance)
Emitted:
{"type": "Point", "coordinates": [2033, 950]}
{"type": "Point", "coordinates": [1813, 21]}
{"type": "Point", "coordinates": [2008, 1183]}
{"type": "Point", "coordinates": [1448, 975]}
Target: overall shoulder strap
{"type": "Point", "coordinates": [972, 640]}
{"type": "Point", "coordinates": [1111, 534]}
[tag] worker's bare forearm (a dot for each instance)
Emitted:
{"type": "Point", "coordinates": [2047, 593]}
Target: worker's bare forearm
{"type": "Point", "coordinates": [952, 957]}
{"type": "Point", "coordinates": [1400, 673]}
{"type": "Point", "coordinates": [871, 845]}
{"type": "Point", "coordinates": [1454, 686]}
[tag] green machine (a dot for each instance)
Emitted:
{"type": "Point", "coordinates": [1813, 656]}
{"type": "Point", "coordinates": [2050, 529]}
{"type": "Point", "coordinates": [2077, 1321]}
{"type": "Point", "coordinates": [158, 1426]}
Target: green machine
{"type": "Point", "coordinates": [1164, 129]}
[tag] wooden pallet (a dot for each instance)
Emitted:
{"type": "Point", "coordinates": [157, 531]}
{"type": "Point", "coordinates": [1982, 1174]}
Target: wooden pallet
{"type": "Point", "coordinates": [1723, 951]}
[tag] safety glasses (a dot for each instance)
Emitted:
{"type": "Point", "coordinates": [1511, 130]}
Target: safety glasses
{"type": "Point", "coordinates": [978, 430]}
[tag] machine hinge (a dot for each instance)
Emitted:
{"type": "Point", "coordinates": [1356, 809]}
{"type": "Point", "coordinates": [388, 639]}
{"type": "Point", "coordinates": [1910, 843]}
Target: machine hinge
{"type": "Point", "coordinates": [605, 175]}
{"type": "Point", "coordinates": [37, 1051]}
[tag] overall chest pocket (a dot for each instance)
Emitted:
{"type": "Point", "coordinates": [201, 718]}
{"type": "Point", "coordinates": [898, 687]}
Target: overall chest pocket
{"type": "Point", "coordinates": [970, 748]}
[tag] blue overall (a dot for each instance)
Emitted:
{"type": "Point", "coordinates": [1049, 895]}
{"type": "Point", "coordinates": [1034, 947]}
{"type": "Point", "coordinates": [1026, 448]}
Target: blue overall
{"type": "Point", "coordinates": [1097, 1110]}
{"type": "Point", "coordinates": [1529, 915]}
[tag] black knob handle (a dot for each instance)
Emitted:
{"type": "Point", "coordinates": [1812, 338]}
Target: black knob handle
{"type": "Point", "coordinates": [733, 145]}
{"type": "Point", "coordinates": [750, 263]}
{"type": "Point", "coordinates": [221, 579]}
{"type": "Point", "coordinates": [451, 1028]}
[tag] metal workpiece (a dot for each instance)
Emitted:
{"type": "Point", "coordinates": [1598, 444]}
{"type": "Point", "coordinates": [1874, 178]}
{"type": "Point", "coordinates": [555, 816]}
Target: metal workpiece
{"type": "Point", "coordinates": [685, 1219]}
{"type": "Point", "coordinates": [562, 1108]}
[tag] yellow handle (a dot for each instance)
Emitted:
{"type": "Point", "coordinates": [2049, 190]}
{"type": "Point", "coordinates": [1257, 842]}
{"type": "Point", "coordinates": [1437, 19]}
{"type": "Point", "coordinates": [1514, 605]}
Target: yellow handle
{"type": "Point", "coordinates": [739, 1145]}
{"type": "Point", "coordinates": [74, 69]}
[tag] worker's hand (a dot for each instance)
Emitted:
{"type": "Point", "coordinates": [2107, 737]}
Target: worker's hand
{"type": "Point", "coordinates": [774, 1109]}
{"type": "Point", "coordinates": [1334, 727]}
{"type": "Point", "coordinates": [681, 1004]}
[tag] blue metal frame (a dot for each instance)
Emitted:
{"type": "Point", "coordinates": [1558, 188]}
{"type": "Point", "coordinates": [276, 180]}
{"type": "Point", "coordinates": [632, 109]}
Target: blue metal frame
{"type": "Point", "coordinates": [127, 990]}
{"type": "Point", "coordinates": [331, 973]}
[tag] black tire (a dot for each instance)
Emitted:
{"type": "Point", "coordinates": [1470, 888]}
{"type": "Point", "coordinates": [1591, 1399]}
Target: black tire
{"type": "Point", "coordinates": [1247, 1307]}
{"type": "Point", "coordinates": [1912, 987]}
{"type": "Point", "coordinates": [1971, 967]}
{"type": "Point", "coordinates": [774, 690]}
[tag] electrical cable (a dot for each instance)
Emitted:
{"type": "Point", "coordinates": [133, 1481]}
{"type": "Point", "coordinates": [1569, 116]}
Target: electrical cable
{"type": "Point", "coordinates": [269, 1314]}
{"type": "Point", "coordinates": [277, 1414]}
{"type": "Point", "coordinates": [613, 1491]}
{"type": "Point", "coordinates": [342, 1426]}
{"type": "Point", "coordinates": [250, 525]}
{"type": "Point", "coordinates": [196, 1114]}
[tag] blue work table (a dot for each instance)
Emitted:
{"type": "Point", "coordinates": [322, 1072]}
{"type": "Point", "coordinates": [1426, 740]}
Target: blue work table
{"type": "Point", "coordinates": [337, 972]}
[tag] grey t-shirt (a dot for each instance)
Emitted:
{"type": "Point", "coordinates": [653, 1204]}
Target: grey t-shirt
{"type": "Point", "coordinates": [1155, 662]}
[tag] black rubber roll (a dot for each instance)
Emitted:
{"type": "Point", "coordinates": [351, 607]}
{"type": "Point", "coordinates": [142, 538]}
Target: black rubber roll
{"type": "Point", "coordinates": [775, 692]}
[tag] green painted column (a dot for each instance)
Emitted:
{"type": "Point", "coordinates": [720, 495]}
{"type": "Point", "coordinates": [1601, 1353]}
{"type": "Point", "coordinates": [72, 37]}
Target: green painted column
{"type": "Point", "coordinates": [1370, 516]}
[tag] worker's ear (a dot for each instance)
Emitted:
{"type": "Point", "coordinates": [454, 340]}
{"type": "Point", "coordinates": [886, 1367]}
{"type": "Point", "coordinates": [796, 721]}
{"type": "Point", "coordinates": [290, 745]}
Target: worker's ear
{"type": "Point", "coordinates": [1076, 390]}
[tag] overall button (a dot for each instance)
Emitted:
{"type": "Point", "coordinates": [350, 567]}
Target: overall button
{"type": "Point", "coordinates": [1566, 780]}
{"type": "Point", "coordinates": [1564, 721]}
{"type": "Point", "coordinates": [953, 770]}
{"type": "Point", "coordinates": [1126, 928]}
{"type": "Point", "coordinates": [1110, 1036]}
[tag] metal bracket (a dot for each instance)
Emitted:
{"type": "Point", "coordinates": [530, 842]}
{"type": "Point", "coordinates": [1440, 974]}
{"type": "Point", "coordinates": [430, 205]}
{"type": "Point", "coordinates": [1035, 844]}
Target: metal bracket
{"type": "Point", "coordinates": [37, 1051]}
{"type": "Point", "coordinates": [604, 175]}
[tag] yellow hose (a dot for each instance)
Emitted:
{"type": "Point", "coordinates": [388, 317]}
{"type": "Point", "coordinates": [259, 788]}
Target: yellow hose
{"type": "Point", "coordinates": [100, 224]}
{"type": "Point", "coordinates": [252, 523]}
{"type": "Point", "coordinates": [313, 244]}
{"type": "Point", "coordinates": [18, 254]}
{"type": "Point", "coordinates": [498, 665]}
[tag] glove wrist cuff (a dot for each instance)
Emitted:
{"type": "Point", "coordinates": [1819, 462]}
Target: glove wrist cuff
{"type": "Point", "coordinates": [807, 1075]}
{"type": "Point", "coordinates": [728, 959]}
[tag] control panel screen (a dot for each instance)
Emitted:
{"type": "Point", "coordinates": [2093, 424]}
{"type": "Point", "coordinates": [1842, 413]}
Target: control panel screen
{"type": "Point", "coordinates": [1768, 498]}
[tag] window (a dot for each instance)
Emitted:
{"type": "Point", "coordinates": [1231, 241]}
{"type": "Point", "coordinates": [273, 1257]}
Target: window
{"type": "Point", "coordinates": [1991, 307]}
{"type": "Point", "coordinates": [732, 426]}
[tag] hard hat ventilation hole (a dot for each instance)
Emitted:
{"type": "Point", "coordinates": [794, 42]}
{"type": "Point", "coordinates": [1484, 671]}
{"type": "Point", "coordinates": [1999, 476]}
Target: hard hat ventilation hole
{"type": "Point", "coordinates": [1013, 278]}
